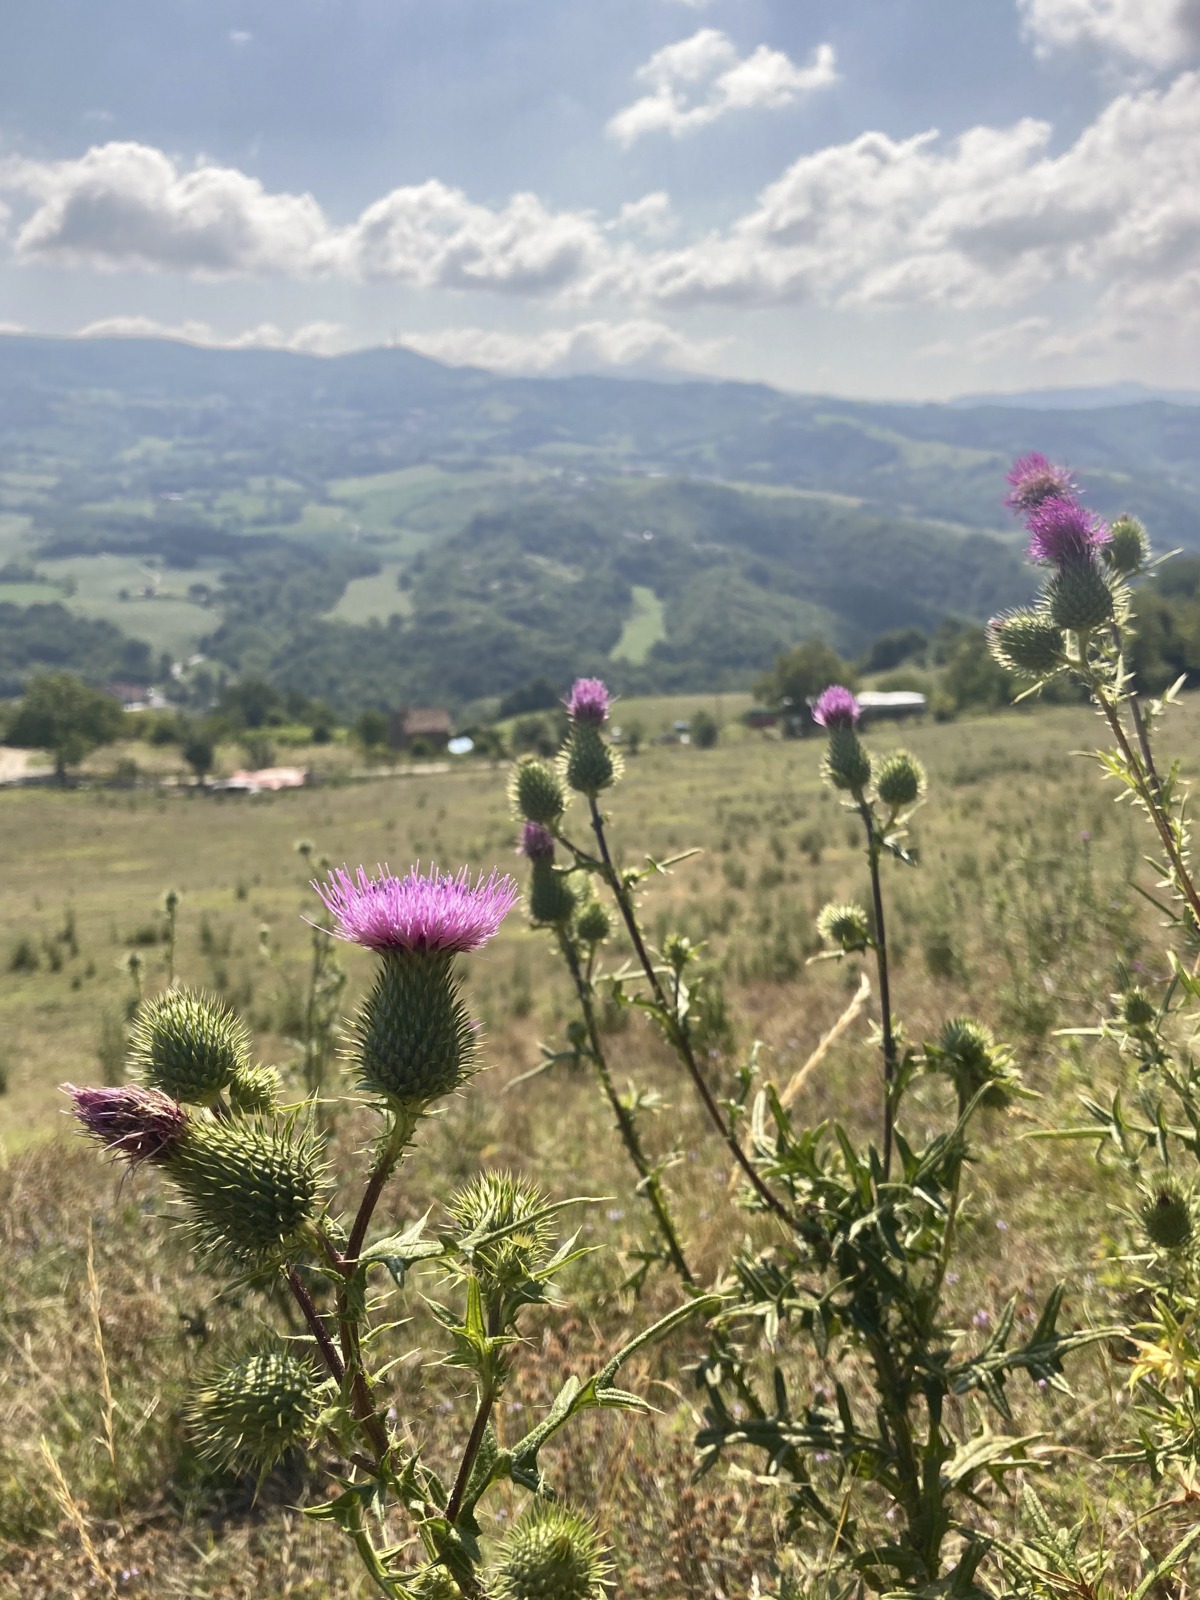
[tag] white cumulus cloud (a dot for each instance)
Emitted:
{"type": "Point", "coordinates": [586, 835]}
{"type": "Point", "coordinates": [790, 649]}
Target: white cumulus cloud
{"type": "Point", "coordinates": [700, 79]}
{"type": "Point", "coordinates": [124, 205]}
{"type": "Point", "coordinates": [587, 347]}
{"type": "Point", "coordinates": [313, 338]}
{"type": "Point", "coordinates": [1157, 32]}
{"type": "Point", "coordinates": [986, 218]}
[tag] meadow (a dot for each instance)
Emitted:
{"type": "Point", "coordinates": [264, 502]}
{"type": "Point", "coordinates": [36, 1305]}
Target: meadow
{"type": "Point", "coordinates": [1021, 911]}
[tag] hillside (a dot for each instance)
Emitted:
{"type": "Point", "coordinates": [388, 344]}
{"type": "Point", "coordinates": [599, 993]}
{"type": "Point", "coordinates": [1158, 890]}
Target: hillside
{"type": "Point", "coordinates": [376, 525]}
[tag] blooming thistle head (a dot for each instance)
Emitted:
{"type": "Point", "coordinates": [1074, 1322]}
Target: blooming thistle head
{"type": "Point", "coordinates": [1033, 480]}
{"type": "Point", "coordinates": [537, 843]}
{"type": "Point", "coordinates": [433, 914]}
{"type": "Point", "coordinates": [132, 1123]}
{"type": "Point", "coordinates": [836, 707]}
{"type": "Point", "coordinates": [588, 701]}
{"type": "Point", "coordinates": [1063, 532]}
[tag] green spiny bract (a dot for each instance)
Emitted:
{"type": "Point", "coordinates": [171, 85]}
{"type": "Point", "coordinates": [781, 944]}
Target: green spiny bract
{"type": "Point", "coordinates": [588, 763]}
{"type": "Point", "coordinates": [592, 922]}
{"type": "Point", "coordinates": [551, 898]}
{"type": "Point", "coordinates": [436, 1584]}
{"type": "Point", "coordinates": [1137, 1009]}
{"type": "Point", "coordinates": [254, 1091]}
{"type": "Point", "coordinates": [847, 764]}
{"type": "Point", "coordinates": [1128, 547]}
{"type": "Point", "coordinates": [1080, 597]}
{"type": "Point", "coordinates": [899, 779]}
{"type": "Point", "coordinates": [552, 1553]}
{"type": "Point", "coordinates": [968, 1053]}
{"type": "Point", "coordinates": [249, 1414]}
{"type": "Point", "coordinates": [1167, 1216]}
{"type": "Point", "coordinates": [415, 1040]}
{"type": "Point", "coordinates": [187, 1045]}
{"type": "Point", "coordinates": [493, 1200]}
{"type": "Point", "coordinates": [845, 927]}
{"type": "Point", "coordinates": [536, 791]}
{"type": "Point", "coordinates": [1029, 643]}
{"type": "Point", "coordinates": [251, 1189]}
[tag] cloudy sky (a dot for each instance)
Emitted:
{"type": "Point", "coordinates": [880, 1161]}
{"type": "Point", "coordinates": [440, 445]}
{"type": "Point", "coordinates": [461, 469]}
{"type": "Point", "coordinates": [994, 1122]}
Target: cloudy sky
{"type": "Point", "coordinates": [872, 197]}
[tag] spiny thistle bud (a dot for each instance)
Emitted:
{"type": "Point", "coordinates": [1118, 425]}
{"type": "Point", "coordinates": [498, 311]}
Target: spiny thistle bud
{"type": "Point", "coordinates": [1029, 643]}
{"type": "Point", "coordinates": [171, 902]}
{"type": "Point", "coordinates": [899, 779]}
{"type": "Point", "coordinates": [436, 1584]}
{"type": "Point", "coordinates": [187, 1045]}
{"type": "Point", "coordinates": [250, 1190]}
{"type": "Point", "coordinates": [587, 763]}
{"type": "Point", "coordinates": [132, 1123]}
{"type": "Point", "coordinates": [536, 791]}
{"type": "Point", "coordinates": [678, 951]}
{"type": "Point", "coordinates": [248, 1415]}
{"type": "Point", "coordinates": [551, 1554]}
{"type": "Point", "coordinates": [551, 898]}
{"type": "Point", "coordinates": [847, 764]}
{"type": "Point", "coordinates": [593, 923]}
{"type": "Point", "coordinates": [415, 1039]}
{"type": "Point", "coordinates": [1137, 1009]}
{"type": "Point", "coordinates": [254, 1091]}
{"type": "Point", "coordinates": [1167, 1216]}
{"type": "Point", "coordinates": [845, 927]}
{"type": "Point", "coordinates": [1080, 598]}
{"type": "Point", "coordinates": [968, 1052]}
{"type": "Point", "coordinates": [1128, 548]}
{"type": "Point", "coordinates": [494, 1200]}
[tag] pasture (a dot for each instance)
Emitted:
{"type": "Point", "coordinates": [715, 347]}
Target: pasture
{"type": "Point", "coordinates": [1020, 912]}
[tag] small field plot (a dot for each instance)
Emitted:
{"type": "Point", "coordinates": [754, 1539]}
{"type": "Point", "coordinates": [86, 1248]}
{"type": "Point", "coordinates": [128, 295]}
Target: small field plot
{"type": "Point", "coordinates": [111, 587]}
{"type": "Point", "coordinates": [643, 630]}
{"type": "Point", "coordinates": [374, 598]}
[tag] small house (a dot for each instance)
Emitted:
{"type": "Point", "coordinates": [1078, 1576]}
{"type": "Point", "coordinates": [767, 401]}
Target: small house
{"type": "Point", "coordinates": [430, 724]}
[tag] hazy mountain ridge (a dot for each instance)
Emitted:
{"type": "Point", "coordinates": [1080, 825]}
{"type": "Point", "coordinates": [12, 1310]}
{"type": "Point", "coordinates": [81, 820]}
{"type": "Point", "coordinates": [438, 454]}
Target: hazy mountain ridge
{"type": "Point", "coordinates": [513, 513]}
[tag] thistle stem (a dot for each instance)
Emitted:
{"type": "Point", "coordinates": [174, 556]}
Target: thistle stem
{"type": "Point", "coordinates": [483, 1415]}
{"type": "Point", "coordinates": [391, 1148]}
{"type": "Point", "coordinates": [316, 1326]}
{"type": "Point", "coordinates": [678, 1034]}
{"type": "Point", "coordinates": [651, 1183]}
{"type": "Point", "coordinates": [885, 994]}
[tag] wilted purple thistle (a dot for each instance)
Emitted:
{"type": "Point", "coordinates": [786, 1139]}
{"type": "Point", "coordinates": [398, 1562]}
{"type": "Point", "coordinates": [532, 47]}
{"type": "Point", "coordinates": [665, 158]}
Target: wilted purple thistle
{"type": "Point", "coordinates": [437, 913]}
{"type": "Point", "coordinates": [588, 701]}
{"type": "Point", "coordinates": [1063, 531]}
{"type": "Point", "coordinates": [134, 1123]}
{"type": "Point", "coordinates": [537, 842]}
{"type": "Point", "coordinates": [1034, 481]}
{"type": "Point", "coordinates": [836, 707]}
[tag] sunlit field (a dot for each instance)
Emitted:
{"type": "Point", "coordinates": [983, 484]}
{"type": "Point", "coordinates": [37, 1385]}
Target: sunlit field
{"type": "Point", "coordinates": [1020, 911]}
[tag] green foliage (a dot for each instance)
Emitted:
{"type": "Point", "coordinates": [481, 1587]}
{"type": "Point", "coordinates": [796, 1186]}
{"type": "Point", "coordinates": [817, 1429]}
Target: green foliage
{"type": "Point", "coordinates": [60, 713]}
{"type": "Point", "coordinates": [801, 674]}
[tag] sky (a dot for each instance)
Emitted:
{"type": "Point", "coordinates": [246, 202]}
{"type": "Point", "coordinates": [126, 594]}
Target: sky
{"type": "Point", "coordinates": [900, 198]}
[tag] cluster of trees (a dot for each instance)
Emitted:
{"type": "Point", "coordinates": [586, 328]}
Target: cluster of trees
{"type": "Point", "coordinates": [49, 638]}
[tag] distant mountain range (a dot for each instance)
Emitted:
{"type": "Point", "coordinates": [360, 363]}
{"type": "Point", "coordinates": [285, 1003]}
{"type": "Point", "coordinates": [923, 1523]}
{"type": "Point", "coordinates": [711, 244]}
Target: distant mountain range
{"type": "Point", "coordinates": [377, 526]}
{"type": "Point", "coordinates": [1087, 399]}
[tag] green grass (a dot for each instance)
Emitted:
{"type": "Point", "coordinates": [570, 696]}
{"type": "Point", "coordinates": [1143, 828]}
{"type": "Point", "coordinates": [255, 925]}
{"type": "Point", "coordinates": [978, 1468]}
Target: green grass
{"type": "Point", "coordinates": [29, 594]}
{"type": "Point", "coordinates": [167, 621]}
{"type": "Point", "coordinates": [644, 629]}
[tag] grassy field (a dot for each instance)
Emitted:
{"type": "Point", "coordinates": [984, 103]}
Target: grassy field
{"type": "Point", "coordinates": [1020, 911]}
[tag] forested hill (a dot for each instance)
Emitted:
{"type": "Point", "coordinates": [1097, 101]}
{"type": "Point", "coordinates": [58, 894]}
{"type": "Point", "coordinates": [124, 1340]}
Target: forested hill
{"type": "Point", "coordinates": [349, 523]}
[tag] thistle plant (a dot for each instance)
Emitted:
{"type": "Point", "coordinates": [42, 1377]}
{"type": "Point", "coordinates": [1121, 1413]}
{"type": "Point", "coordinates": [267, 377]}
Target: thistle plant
{"type": "Point", "coordinates": [1082, 627]}
{"type": "Point", "coordinates": [261, 1203]}
{"type": "Point", "coordinates": [840, 1288]}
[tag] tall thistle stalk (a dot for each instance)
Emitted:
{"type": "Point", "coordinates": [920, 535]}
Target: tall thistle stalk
{"type": "Point", "coordinates": [1082, 626]}
{"type": "Point", "coordinates": [259, 1201]}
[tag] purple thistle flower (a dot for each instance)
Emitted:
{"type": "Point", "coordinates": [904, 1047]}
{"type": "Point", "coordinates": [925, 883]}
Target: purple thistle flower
{"type": "Point", "coordinates": [1034, 481]}
{"type": "Point", "coordinates": [1063, 531]}
{"type": "Point", "coordinates": [836, 707]}
{"type": "Point", "coordinates": [434, 914]}
{"type": "Point", "coordinates": [537, 842]}
{"type": "Point", "coordinates": [588, 701]}
{"type": "Point", "coordinates": [133, 1123]}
